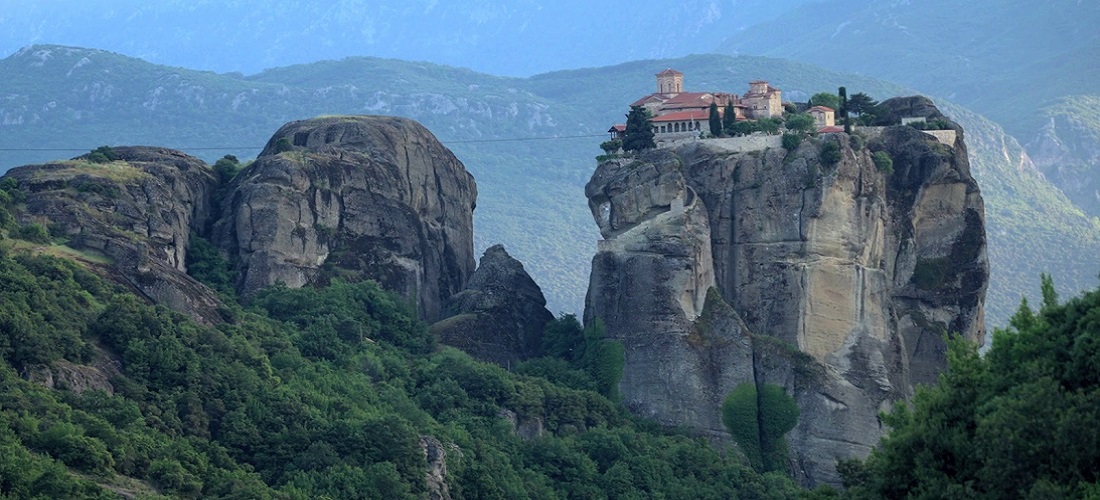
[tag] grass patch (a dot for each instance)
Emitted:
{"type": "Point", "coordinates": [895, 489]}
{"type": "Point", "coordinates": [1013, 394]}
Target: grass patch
{"type": "Point", "coordinates": [118, 171]}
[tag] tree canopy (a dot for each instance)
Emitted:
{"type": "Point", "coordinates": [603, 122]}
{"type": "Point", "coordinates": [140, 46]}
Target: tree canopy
{"type": "Point", "coordinates": [860, 103]}
{"type": "Point", "coordinates": [829, 100]}
{"type": "Point", "coordinates": [327, 392]}
{"type": "Point", "coordinates": [1018, 422]}
{"type": "Point", "coordinates": [714, 120]}
{"type": "Point", "coordinates": [639, 130]}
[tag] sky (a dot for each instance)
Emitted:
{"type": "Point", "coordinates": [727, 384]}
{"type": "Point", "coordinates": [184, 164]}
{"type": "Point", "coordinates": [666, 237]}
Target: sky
{"type": "Point", "coordinates": [501, 37]}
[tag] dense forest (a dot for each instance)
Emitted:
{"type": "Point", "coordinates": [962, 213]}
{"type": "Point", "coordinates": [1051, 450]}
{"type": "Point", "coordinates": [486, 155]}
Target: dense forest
{"type": "Point", "coordinates": [334, 392]}
{"type": "Point", "coordinates": [338, 392]}
{"type": "Point", "coordinates": [1019, 421]}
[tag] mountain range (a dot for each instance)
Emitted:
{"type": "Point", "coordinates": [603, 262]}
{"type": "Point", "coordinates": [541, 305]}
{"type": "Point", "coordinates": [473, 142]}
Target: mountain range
{"type": "Point", "coordinates": [528, 141]}
{"type": "Point", "coordinates": [492, 36]}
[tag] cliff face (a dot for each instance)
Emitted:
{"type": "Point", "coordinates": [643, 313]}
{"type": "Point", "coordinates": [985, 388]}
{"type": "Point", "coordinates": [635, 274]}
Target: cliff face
{"type": "Point", "coordinates": [378, 197]}
{"type": "Point", "coordinates": [133, 218]}
{"type": "Point", "coordinates": [833, 281]}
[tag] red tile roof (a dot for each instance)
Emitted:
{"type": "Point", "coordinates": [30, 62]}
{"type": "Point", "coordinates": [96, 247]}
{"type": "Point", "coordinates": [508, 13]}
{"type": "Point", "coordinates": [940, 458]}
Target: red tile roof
{"type": "Point", "coordinates": [823, 109]}
{"type": "Point", "coordinates": [651, 98]}
{"type": "Point", "coordinates": [669, 71]}
{"type": "Point", "coordinates": [830, 130]}
{"type": "Point", "coordinates": [617, 128]}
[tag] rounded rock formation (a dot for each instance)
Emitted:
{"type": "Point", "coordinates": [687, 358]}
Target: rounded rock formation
{"type": "Point", "coordinates": [357, 196]}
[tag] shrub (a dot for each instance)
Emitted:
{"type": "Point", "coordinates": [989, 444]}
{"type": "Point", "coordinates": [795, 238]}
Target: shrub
{"type": "Point", "coordinates": [283, 145]}
{"type": "Point", "coordinates": [758, 420]}
{"type": "Point", "coordinates": [801, 122]}
{"type": "Point", "coordinates": [883, 162]}
{"type": "Point", "coordinates": [103, 154]}
{"type": "Point", "coordinates": [227, 167]}
{"type": "Point", "coordinates": [610, 147]}
{"type": "Point", "coordinates": [35, 233]}
{"type": "Point", "coordinates": [830, 153]}
{"type": "Point", "coordinates": [791, 141]}
{"type": "Point", "coordinates": [937, 124]}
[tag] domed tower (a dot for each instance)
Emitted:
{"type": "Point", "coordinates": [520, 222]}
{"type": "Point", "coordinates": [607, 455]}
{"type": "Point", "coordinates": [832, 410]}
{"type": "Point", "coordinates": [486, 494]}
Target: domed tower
{"type": "Point", "coordinates": [670, 81]}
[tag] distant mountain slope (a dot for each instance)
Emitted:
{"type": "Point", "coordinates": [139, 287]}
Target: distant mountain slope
{"type": "Point", "coordinates": [1067, 149]}
{"type": "Point", "coordinates": [505, 37]}
{"type": "Point", "coordinates": [1005, 59]}
{"type": "Point", "coordinates": [530, 189]}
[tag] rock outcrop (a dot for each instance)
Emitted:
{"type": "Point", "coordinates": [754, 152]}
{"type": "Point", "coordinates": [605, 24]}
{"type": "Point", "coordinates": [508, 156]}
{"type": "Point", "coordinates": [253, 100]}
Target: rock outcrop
{"type": "Point", "coordinates": [132, 218]}
{"type": "Point", "coordinates": [836, 282]}
{"type": "Point", "coordinates": [376, 197]}
{"type": "Point", "coordinates": [500, 315]}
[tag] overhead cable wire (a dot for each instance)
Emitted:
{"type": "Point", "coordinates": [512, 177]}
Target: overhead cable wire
{"type": "Point", "coordinates": [223, 148]}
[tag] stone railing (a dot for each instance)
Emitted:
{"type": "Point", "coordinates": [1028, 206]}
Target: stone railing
{"type": "Point", "coordinates": [744, 144]}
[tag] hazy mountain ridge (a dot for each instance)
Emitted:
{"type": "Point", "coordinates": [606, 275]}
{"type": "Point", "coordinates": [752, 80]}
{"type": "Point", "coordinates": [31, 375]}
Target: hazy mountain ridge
{"type": "Point", "coordinates": [531, 190]}
{"type": "Point", "coordinates": [495, 36]}
{"type": "Point", "coordinates": [1004, 59]}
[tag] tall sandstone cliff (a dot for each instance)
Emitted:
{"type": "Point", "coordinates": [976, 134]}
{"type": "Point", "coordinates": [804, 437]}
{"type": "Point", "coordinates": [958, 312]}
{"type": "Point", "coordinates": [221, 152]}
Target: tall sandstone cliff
{"type": "Point", "coordinates": [836, 282]}
{"type": "Point", "coordinates": [375, 196]}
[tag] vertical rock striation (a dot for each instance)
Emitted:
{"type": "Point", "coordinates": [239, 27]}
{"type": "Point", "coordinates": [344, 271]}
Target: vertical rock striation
{"type": "Point", "coordinates": [376, 197]}
{"type": "Point", "coordinates": [836, 282]}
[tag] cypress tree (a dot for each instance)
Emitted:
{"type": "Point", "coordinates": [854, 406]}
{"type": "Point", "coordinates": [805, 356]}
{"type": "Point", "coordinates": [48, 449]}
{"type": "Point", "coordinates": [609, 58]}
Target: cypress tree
{"type": "Point", "coordinates": [730, 117]}
{"type": "Point", "coordinates": [639, 130]}
{"type": "Point", "coordinates": [715, 120]}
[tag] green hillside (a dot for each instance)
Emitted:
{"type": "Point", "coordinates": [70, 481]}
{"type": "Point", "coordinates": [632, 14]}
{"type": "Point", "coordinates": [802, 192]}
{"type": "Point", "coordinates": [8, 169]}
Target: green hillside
{"type": "Point", "coordinates": [531, 189]}
{"type": "Point", "coordinates": [310, 393]}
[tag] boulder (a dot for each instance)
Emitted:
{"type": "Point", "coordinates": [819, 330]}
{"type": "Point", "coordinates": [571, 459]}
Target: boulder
{"type": "Point", "coordinates": [360, 197]}
{"type": "Point", "coordinates": [501, 314]}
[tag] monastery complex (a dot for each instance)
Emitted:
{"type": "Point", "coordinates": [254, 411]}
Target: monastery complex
{"type": "Point", "coordinates": [677, 114]}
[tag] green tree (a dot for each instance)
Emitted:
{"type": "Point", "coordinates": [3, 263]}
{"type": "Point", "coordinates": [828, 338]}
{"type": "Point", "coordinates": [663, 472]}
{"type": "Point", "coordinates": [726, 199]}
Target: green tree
{"type": "Point", "coordinates": [800, 122]}
{"type": "Point", "coordinates": [860, 103]}
{"type": "Point", "coordinates": [729, 116]}
{"type": "Point", "coordinates": [843, 112]}
{"type": "Point", "coordinates": [830, 153]}
{"type": "Point", "coordinates": [639, 130]}
{"type": "Point", "coordinates": [227, 167]}
{"type": "Point", "coordinates": [714, 120]}
{"type": "Point", "coordinates": [103, 154]}
{"type": "Point", "coordinates": [1050, 296]}
{"type": "Point", "coordinates": [883, 161]}
{"type": "Point", "coordinates": [791, 141]}
{"type": "Point", "coordinates": [1018, 422]}
{"type": "Point", "coordinates": [610, 147]}
{"type": "Point", "coordinates": [831, 101]}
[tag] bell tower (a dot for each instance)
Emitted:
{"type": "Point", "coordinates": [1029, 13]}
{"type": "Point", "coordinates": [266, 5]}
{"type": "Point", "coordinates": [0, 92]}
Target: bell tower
{"type": "Point", "coordinates": [670, 81]}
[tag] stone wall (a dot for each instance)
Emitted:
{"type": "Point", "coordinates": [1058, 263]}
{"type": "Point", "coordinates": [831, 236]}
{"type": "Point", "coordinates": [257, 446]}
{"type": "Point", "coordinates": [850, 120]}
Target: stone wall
{"type": "Point", "coordinates": [732, 144]}
{"type": "Point", "coordinates": [943, 136]}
